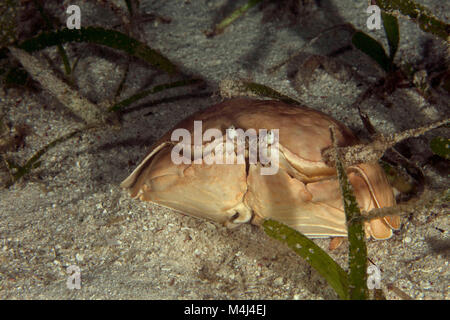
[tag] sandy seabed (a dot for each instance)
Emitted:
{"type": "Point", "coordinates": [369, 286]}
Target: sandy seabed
{"type": "Point", "coordinates": [71, 210]}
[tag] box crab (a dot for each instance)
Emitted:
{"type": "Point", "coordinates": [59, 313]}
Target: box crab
{"type": "Point", "coordinates": [303, 194]}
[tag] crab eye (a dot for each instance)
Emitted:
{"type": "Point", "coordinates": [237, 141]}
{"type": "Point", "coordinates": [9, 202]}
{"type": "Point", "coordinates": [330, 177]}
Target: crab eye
{"type": "Point", "coordinates": [231, 132]}
{"type": "Point", "coordinates": [270, 137]}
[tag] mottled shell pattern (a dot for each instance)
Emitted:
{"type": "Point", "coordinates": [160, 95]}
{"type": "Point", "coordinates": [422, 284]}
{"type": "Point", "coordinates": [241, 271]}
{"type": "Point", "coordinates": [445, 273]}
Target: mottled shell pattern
{"type": "Point", "coordinates": [304, 194]}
